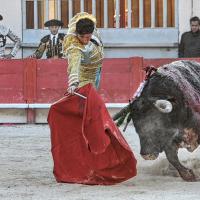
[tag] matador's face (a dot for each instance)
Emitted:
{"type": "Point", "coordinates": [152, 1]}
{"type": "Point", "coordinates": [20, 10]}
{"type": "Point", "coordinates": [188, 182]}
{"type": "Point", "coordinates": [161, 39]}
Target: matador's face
{"type": "Point", "coordinates": [54, 29]}
{"type": "Point", "coordinates": [85, 38]}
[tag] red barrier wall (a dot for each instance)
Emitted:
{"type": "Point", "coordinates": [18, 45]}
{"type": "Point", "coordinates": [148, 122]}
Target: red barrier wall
{"type": "Point", "coordinates": [51, 80]}
{"type": "Point", "coordinates": [45, 81]}
{"type": "Point", "coordinates": [12, 81]}
{"type": "Point", "coordinates": [118, 80]}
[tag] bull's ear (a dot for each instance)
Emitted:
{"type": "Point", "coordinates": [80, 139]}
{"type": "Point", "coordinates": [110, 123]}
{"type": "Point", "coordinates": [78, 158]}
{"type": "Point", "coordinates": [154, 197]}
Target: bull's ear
{"type": "Point", "coordinates": [163, 106]}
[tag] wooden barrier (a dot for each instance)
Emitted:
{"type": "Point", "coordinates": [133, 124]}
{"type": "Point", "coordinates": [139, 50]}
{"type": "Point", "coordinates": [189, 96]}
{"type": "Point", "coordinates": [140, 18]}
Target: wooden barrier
{"type": "Point", "coordinates": [32, 81]}
{"type": "Point", "coordinates": [45, 81]}
{"type": "Point", "coordinates": [12, 81]}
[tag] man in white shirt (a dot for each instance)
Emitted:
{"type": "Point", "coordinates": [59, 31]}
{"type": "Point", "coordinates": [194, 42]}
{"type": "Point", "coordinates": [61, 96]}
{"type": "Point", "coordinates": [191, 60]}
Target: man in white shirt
{"type": "Point", "coordinates": [4, 33]}
{"type": "Point", "coordinates": [51, 43]}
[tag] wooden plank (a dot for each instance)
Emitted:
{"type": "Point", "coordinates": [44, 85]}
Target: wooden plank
{"type": "Point", "coordinates": [118, 91]}
{"type": "Point", "coordinates": [40, 14]}
{"type": "Point", "coordinates": [65, 13]}
{"type": "Point", "coordinates": [30, 77]}
{"type": "Point", "coordinates": [135, 13]}
{"type": "Point", "coordinates": [99, 13]}
{"type": "Point", "coordinates": [147, 13]}
{"type": "Point", "coordinates": [76, 7]}
{"type": "Point", "coordinates": [12, 81]}
{"type": "Point", "coordinates": [136, 74]}
{"type": "Point", "coordinates": [88, 6]}
{"type": "Point", "coordinates": [159, 13]}
{"type": "Point", "coordinates": [51, 83]}
{"type": "Point", "coordinates": [102, 13]}
{"type": "Point", "coordinates": [29, 15]}
{"type": "Point", "coordinates": [171, 13]}
{"type": "Point", "coordinates": [122, 14]}
{"type": "Point", "coordinates": [111, 8]}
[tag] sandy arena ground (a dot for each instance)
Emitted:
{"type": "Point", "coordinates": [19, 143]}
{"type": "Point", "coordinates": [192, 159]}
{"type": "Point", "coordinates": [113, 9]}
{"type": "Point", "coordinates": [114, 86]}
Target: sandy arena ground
{"type": "Point", "coordinates": [26, 172]}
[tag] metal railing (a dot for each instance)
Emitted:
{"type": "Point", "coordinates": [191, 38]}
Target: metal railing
{"type": "Point", "coordinates": [105, 17]}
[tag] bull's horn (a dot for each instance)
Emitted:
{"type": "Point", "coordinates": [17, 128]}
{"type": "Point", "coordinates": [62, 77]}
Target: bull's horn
{"type": "Point", "coordinates": [163, 106]}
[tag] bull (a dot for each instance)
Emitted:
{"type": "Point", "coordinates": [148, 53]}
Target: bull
{"type": "Point", "coordinates": [166, 113]}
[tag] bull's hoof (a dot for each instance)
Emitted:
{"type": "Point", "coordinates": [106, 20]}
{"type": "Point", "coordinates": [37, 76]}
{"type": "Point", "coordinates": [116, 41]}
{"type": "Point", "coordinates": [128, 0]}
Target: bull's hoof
{"type": "Point", "coordinates": [188, 175]}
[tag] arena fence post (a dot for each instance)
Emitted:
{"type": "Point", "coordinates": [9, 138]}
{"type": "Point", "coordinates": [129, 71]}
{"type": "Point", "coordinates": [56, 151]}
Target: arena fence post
{"type": "Point", "coordinates": [136, 64]}
{"type": "Point", "coordinates": [30, 84]}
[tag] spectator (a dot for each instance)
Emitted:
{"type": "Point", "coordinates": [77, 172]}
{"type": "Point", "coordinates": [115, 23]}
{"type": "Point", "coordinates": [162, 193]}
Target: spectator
{"type": "Point", "coordinates": [190, 41]}
{"type": "Point", "coordinates": [4, 33]}
{"type": "Point", "coordinates": [51, 43]}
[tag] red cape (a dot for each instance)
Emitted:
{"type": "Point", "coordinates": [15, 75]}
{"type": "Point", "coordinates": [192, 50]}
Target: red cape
{"type": "Point", "coordinates": [87, 146]}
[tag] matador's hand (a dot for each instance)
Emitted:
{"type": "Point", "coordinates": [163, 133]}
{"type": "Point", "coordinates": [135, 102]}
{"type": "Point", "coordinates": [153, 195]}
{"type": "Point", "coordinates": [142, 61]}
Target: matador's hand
{"type": "Point", "coordinates": [71, 89]}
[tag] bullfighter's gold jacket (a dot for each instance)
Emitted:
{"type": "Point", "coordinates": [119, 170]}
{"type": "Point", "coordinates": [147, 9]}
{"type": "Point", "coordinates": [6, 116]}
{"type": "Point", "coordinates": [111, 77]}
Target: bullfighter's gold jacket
{"type": "Point", "coordinates": [84, 61]}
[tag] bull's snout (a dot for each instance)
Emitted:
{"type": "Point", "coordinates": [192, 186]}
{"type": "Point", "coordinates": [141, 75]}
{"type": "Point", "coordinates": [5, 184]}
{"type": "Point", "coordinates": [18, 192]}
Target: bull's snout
{"type": "Point", "coordinates": [150, 148]}
{"type": "Point", "coordinates": [150, 156]}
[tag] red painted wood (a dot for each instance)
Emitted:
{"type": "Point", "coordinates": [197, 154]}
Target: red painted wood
{"type": "Point", "coordinates": [115, 80]}
{"type": "Point", "coordinates": [30, 77]}
{"type": "Point", "coordinates": [11, 81]}
{"type": "Point", "coordinates": [45, 81]}
{"type": "Point", "coordinates": [51, 80]}
{"type": "Point", "coordinates": [137, 73]}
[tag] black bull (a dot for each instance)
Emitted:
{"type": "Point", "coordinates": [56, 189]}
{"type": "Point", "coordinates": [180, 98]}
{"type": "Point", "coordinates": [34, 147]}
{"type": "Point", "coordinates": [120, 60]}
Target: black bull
{"type": "Point", "coordinates": [166, 113]}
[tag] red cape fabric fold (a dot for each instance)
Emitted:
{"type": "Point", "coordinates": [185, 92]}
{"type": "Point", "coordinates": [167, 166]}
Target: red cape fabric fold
{"type": "Point", "coordinates": [87, 146]}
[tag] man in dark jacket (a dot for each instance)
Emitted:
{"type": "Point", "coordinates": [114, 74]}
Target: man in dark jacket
{"type": "Point", "coordinates": [51, 43]}
{"type": "Point", "coordinates": [190, 41]}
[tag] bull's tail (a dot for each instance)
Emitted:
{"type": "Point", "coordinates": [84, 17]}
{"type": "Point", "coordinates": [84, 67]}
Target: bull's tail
{"type": "Point", "coordinates": [121, 115]}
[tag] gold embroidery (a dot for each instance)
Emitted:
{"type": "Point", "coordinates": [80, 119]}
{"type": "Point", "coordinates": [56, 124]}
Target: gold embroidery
{"type": "Point", "coordinates": [83, 60]}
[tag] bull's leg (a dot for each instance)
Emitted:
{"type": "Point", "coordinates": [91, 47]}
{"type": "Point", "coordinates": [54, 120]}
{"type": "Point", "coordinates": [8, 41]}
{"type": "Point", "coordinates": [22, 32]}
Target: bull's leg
{"type": "Point", "coordinates": [185, 173]}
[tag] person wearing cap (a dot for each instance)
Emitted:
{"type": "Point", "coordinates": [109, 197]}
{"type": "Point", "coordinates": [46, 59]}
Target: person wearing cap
{"type": "Point", "coordinates": [83, 48]}
{"type": "Point", "coordinates": [51, 43]}
{"type": "Point", "coordinates": [5, 33]}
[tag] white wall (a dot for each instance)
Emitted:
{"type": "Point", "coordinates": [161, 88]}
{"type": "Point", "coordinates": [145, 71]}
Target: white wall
{"type": "Point", "coordinates": [185, 13]}
{"type": "Point", "coordinates": [12, 16]}
{"type": "Point", "coordinates": [196, 8]}
{"type": "Point", "coordinates": [187, 9]}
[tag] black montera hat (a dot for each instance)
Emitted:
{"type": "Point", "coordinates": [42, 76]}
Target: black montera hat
{"type": "Point", "coordinates": [53, 22]}
{"type": "Point", "coordinates": [1, 17]}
